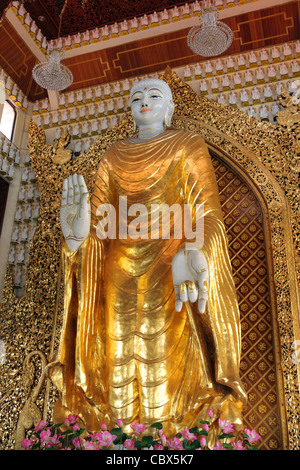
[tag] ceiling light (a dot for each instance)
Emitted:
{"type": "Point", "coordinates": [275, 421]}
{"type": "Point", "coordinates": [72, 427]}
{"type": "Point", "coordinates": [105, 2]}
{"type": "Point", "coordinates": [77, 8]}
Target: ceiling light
{"type": "Point", "coordinates": [211, 37]}
{"type": "Point", "coordinates": [52, 75]}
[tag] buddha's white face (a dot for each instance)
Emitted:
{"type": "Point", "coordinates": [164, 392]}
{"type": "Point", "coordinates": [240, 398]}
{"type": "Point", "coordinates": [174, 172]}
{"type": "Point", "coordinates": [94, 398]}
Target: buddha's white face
{"type": "Point", "coordinates": [149, 105]}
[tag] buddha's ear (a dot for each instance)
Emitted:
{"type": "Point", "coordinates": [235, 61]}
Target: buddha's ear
{"type": "Point", "coordinates": [134, 126]}
{"type": "Point", "coordinates": [169, 113]}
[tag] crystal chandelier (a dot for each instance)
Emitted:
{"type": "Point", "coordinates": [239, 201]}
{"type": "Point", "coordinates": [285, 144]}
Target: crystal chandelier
{"type": "Point", "coordinates": [211, 37]}
{"type": "Point", "coordinates": [52, 75]}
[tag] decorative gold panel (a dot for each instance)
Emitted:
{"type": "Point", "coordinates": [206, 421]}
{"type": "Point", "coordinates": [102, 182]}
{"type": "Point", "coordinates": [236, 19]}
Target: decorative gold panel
{"type": "Point", "coordinates": [244, 221]}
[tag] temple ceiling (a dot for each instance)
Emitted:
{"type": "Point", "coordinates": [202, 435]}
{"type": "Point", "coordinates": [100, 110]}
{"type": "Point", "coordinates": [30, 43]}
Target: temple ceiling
{"type": "Point", "coordinates": [82, 15]}
{"type": "Point", "coordinates": [140, 53]}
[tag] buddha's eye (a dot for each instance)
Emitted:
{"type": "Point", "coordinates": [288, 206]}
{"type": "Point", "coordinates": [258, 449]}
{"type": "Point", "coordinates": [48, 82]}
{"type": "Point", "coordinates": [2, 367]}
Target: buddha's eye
{"type": "Point", "coordinates": [136, 99]}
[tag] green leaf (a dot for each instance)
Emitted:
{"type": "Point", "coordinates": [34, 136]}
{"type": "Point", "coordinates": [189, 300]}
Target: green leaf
{"type": "Point", "coordinates": [141, 444]}
{"type": "Point", "coordinates": [156, 425]}
{"type": "Point", "coordinates": [253, 448]}
{"type": "Point", "coordinates": [195, 430]}
{"type": "Point", "coordinates": [195, 445]}
{"type": "Point", "coordinates": [227, 446]}
{"type": "Point", "coordinates": [35, 446]}
{"type": "Point", "coordinates": [192, 446]}
{"type": "Point", "coordinates": [124, 437]}
{"type": "Point", "coordinates": [67, 432]}
{"type": "Point", "coordinates": [185, 444]}
{"type": "Point", "coordinates": [179, 435]}
{"type": "Point", "coordinates": [203, 433]}
{"type": "Point", "coordinates": [225, 435]}
{"type": "Point", "coordinates": [148, 439]}
{"type": "Point", "coordinates": [116, 431]}
{"type": "Point", "coordinates": [55, 426]}
{"type": "Point", "coordinates": [78, 433]}
{"type": "Point", "coordinates": [204, 422]}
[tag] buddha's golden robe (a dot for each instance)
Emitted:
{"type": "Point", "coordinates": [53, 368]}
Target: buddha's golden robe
{"type": "Point", "coordinates": [125, 352]}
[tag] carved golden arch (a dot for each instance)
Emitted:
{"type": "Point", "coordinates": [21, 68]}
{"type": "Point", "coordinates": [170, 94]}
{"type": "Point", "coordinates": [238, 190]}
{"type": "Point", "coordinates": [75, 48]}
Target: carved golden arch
{"type": "Point", "coordinates": [280, 252]}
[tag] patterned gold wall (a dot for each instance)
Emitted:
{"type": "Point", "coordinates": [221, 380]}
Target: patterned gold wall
{"type": "Point", "coordinates": [244, 220]}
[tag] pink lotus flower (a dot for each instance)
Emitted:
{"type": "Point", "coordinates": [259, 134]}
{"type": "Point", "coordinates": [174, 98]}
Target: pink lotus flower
{"type": "Point", "coordinates": [71, 419]}
{"type": "Point", "coordinates": [120, 423]}
{"type": "Point", "coordinates": [158, 447]}
{"type": "Point", "coordinates": [206, 427]}
{"type": "Point", "coordinates": [238, 445]}
{"type": "Point", "coordinates": [138, 428]}
{"type": "Point", "coordinates": [253, 436]}
{"type": "Point", "coordinates": [103, 427]}
{"type": "Point", "coordinates": [107, 439]}
{"type": "Point", "coordinates": [189, 436]}
{"type": "Point", "coordinates": [77, 442]}
{"type": "Point", "coordinates": [96, 436]}
{"type": "Point", "coordinates": [53, 442]}
{"type": "Point", "coordinates": [210, 414]}
{"type": "Point", "coordinates": [129, 444]}
{"type": "Point", "coordinates": [42, 424]}
{"type": "Point", "coordinates": [218, 446]}
{"type": "Point", "coordinates": [44, 436]}
{"type": "Point", "coordinates": [88, 445]}
{"type": "Point", "coordinates": [226, 426]}
{"type": "Point", "coordinates": [175, 444]}
{"type": "Point", "coordinates": [27, 443]}
{"type": "Point", "coordinates": [203, 441]}
{"type": "Point", "coordinates": [163, 438]}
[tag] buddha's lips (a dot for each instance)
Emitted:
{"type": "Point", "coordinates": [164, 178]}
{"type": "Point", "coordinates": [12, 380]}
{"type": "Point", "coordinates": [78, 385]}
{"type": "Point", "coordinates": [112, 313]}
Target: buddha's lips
{"type": "Point", "coordinates": [145, 110]}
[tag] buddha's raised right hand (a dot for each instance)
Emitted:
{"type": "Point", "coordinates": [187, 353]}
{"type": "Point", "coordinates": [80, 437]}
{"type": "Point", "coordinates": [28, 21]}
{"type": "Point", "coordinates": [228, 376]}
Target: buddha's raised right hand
{"type": "Point", "coordinates": [75, 212]}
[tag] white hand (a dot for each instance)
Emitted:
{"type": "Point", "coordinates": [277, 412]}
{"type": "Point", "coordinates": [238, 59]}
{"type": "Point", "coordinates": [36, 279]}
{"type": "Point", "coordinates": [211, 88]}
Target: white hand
{"type": "Point", "coordinates": [75, 212]}
{"type": "Point", "coordinates": [190, 278]}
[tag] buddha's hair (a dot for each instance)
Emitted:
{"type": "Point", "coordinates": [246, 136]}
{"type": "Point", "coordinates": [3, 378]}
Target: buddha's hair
{"type": "Point", "coordinates": [156, 82]}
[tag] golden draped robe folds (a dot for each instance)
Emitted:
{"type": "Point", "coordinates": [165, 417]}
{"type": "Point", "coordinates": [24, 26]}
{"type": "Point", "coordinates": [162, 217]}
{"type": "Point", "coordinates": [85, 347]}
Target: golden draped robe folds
{"type": "Point", "coordinates": [124, 351]}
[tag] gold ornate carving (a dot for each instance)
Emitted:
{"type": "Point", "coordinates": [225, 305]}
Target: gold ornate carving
{"type": "Point", "coordinates": [290, 116]}
{"type": "Point", "coordinates": [244, 217]}
{"type": "Point", "coordinates": [30, 415]}
{"type": "Point", "coordinates": [61, 153]}
{"type": "Point", "coordinates": [265, 156]}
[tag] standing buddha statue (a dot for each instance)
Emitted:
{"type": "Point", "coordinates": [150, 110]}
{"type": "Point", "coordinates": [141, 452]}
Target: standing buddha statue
{"type": "Point", "coordinates": [151, 328]}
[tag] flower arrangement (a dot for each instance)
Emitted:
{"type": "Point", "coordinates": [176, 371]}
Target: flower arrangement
{"type": "Point", "coordinates": [75, 438]}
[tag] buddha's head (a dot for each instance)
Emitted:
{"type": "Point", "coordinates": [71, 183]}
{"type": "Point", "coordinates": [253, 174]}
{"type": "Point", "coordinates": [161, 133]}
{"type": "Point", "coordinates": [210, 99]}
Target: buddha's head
{"type": "Point", "coordinates": [151, 103]}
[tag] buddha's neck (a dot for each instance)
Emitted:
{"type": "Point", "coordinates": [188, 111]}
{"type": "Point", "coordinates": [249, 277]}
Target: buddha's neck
{"type": "Point", "coordinates": [150, 132]}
